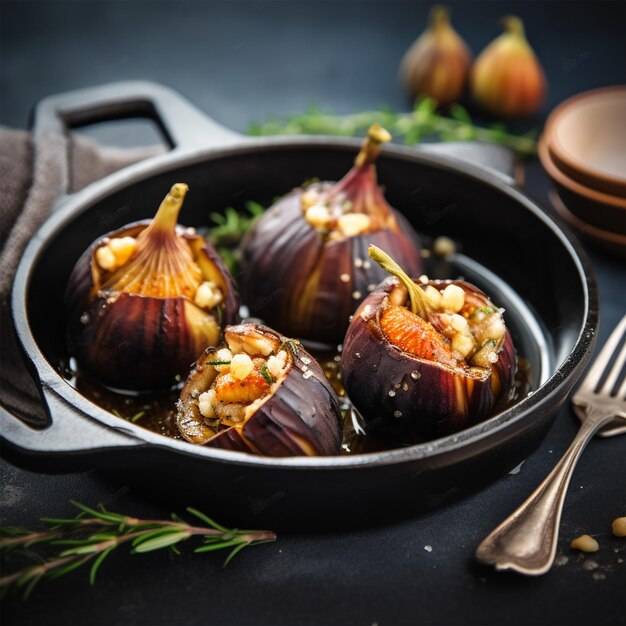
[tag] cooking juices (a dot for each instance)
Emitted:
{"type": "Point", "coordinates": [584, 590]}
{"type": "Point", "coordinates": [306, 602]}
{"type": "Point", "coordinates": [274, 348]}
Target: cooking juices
{"type": "Point", "coordinates": [157, 411]}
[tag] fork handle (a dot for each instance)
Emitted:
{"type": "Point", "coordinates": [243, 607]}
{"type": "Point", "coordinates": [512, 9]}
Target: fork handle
{"type": "Point", "coordinates": [526, 541]}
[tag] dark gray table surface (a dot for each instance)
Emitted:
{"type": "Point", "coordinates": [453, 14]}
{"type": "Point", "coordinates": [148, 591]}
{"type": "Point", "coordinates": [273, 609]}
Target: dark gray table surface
{"type": "Point", "coordinates": [240, 62]}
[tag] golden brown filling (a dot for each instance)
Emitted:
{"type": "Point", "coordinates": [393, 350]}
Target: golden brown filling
{"type": "Point", "coordinates": [159, 261]}
{"type": "Point", "coordinates": [247, 372]}
{"type": "Point", "coordinates": [144, 271]}
{"type": "Point", "coordinates": [333, 217]}
{"type": "Point", "coordinates": [459, 329]}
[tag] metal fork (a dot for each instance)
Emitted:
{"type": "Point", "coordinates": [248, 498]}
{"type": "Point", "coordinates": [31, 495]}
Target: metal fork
{"type": "Point", "coordinates": [526, 541]}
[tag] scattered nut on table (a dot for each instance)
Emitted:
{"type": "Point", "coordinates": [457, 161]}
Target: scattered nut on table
{"type": "Point", "coordinates": [619, 526]}
{"type": "Point", "coordinates": [444, 246]}
{"type": "Point", "coordinates": [585, 543]}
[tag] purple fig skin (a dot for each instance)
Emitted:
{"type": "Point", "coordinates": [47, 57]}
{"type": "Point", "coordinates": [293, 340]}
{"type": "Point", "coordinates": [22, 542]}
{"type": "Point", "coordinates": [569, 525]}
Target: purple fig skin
{"type": "Point", "coordinates": [306, 287]}
{"type": "Point", "coordinates": [134, 342]}
{"type": "Point", "coordinates": [301, 417]}
{"type": "Point", "coordinates": [402, 392]}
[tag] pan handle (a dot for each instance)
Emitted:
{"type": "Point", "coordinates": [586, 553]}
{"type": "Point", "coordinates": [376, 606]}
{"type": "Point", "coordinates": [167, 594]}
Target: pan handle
{"type": "Point", "coordinates": [183, 126]}
{"type": "Point", "coordinates": [69, 432]}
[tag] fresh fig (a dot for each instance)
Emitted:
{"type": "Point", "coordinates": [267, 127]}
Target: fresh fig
{"type": "Point", "coordinates": [437, 64]}
{"type": "Point", "coordinates": [507, 79]}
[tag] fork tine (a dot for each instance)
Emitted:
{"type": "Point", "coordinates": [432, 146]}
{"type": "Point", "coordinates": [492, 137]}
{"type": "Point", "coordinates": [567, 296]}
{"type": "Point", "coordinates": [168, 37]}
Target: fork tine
{"type": "Point", "coordinates": [604, 356]}
{"type": "Point", "coordinates": [621, 392]}
{"type": "Point", "coordinates": [616, 370]}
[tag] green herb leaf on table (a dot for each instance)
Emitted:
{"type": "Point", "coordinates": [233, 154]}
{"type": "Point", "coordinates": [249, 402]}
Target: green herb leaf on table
{"type": "Point", "coordinates": [424, 121]}
{"type": "Point", "coordinates": [93, 534]}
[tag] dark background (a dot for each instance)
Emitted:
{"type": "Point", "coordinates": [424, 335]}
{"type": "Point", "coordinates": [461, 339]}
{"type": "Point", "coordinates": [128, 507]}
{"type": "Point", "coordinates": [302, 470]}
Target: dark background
{"type": "Point", "coordinates": [241, 62]}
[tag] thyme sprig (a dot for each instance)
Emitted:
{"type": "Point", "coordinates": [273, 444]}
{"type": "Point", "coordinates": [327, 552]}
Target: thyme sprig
{"type": "Point", "coordinates": [424, 121]}
{"type": "Point", "coordinates": [93, 534]}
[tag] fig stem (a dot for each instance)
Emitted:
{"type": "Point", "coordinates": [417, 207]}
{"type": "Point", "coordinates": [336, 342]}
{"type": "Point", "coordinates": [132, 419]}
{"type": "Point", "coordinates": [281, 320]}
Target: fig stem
{"type": "Point", "coordinates": [439, 16]}
{"type": "Point", "coordinates": [513, 25]}
{"type": "Point", "coordinates": [376, 136]}
{"type": "Point", "coordinates": [166, 217]}
{"type": "Point", "coordinates": [419, 303]}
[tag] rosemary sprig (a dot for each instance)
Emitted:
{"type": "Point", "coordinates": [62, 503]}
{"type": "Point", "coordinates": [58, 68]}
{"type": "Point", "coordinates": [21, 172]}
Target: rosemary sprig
{"type": "Point", "coordinates": [94, 533]}
{"type": "Point", "coordinates": [423, 121]}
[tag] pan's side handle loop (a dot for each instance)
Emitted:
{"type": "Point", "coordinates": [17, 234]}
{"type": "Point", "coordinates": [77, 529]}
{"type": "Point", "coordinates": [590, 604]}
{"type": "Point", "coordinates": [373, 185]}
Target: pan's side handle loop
{"type": "Point", "coordinates": [183, 126]}
{"type": "Point", "coordinates": [69, 432]}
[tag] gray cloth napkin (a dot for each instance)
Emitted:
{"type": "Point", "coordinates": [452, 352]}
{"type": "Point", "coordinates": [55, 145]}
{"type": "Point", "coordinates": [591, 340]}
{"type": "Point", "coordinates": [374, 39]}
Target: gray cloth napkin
{"type": "Point", "coordinates": [34, 176]}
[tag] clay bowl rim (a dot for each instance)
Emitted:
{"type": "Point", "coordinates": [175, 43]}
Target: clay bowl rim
{"type": "Point", "coordinates": [575, 187]}
{"type": "Point", "coordinates": [602, 181]}
{"type": "Point", "coordinates": [595, 232]}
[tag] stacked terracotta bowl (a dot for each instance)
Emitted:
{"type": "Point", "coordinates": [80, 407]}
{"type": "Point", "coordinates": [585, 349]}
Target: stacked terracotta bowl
{"type": "Point", "coordinates": [583, 150]}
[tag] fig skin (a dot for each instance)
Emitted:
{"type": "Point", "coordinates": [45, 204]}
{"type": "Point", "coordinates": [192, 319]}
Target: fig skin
{"type": "Point", "coordinates": [437, 63]}
{"type": "Point", "coordinates": [404, 393]}
{"type": "Point", "coordinates": [307, 287]}
{"type": "Point", "coordinates": [300, 417]}
{"type": "Point", "coordinates": [135, 342]}
{"type": "Point", "coordinates": [507, 79]}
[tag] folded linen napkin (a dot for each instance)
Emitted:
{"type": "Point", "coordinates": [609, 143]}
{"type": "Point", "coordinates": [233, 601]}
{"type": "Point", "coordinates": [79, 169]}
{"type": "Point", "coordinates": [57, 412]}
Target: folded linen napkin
{"type": "Point", "coordinates": [34, 175]}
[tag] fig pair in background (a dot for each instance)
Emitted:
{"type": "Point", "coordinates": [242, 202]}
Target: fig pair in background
{"type": "Point", "coordinates": [506, 79]}
{"type": "Point", "coordinates": [147, 300]}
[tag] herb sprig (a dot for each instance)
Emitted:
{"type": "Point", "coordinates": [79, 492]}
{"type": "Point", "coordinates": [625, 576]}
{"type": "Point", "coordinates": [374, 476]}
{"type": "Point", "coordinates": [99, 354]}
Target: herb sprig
{"type": "Point", "coordinates": [269, 379]}
{"type": "Point", "coordinates": [291, 345]}
{"type": "Point", "coordinates": [228, 228]}
{"type": "Point", "coordinates": [93, 534]}
{"type": "Point", "coordinates": [424, 121]}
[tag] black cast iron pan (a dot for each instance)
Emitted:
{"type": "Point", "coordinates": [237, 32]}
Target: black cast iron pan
{"type": "Point", "coordinates": [508, 246]}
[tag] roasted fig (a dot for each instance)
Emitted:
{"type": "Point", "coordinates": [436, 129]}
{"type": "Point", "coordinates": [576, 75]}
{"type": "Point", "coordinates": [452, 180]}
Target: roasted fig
{"type": "Point", "coordinates": [426, 358]}
{"type": "Point", "coordinates": [260, 393]}
{"type": "Point", "coordinates": [305, 260]}
{"type": "Point", "coordinates": [144, 301]}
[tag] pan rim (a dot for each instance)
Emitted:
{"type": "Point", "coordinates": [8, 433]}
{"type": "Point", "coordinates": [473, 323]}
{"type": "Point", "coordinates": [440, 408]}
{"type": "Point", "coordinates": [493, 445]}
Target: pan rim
{"type": "Point", "coordinates": [565, 373]}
